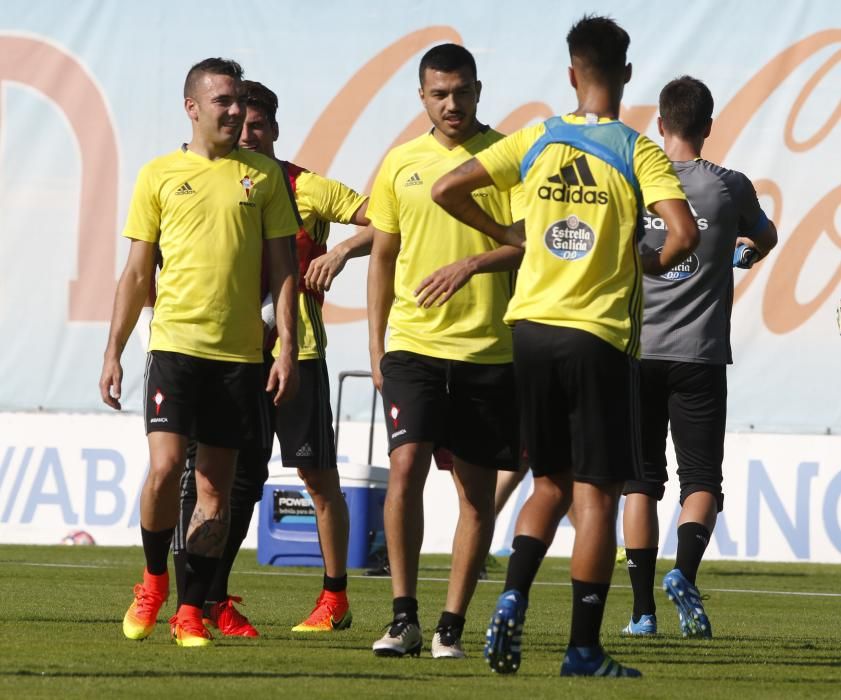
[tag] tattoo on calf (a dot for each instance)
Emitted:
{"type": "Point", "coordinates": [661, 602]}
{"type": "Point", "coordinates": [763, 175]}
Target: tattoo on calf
{"type": "Point", "coordinates": [207, 535]}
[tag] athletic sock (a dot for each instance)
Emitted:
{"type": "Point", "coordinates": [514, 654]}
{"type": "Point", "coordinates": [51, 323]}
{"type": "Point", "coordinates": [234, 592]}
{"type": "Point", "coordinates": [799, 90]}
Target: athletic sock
{"type": "Point", "coordinates": [588, 601]}
{"type": "Point", "coordinates": [199, 573]}
{"type": "Point", "coordinates": [408, 606]}
{"type": "Point", "coordinates": [692, 541]}
{"type": "Point", "coordinates": [641, 564]}
{"type": "Point", "coordinates": [240, 521]}
{"type": "Point", "coordinates": [335, 585]}
{"type": "Point", "coordinates": [179, 561]}
{"type": "Point", "coordinates": [526, 557]}
{"type": "Point", "coordinates": [451, 621]}
{"type": "Point", "coordinates": [156, 548]}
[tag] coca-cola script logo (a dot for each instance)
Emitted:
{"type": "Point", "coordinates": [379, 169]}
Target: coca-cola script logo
{"type": "Point", "coordinates": [62, 78]}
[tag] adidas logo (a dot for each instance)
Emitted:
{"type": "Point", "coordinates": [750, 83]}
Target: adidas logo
{"type": "Point", "coordinates": [414, 180]}
{"type": "Point", "coordinates": [305, 451]}
{"type": "Point", "coordinates": [571, 182]}
{"type": "Point", "coordinates": [185, 189]}
{"type": "Point", "coordinates": [592, 599]}
{"type": "Point", "coordinates": [631, 564]}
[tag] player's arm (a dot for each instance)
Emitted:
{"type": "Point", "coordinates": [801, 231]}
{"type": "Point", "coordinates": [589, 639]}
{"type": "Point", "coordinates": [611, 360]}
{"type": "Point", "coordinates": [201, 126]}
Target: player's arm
{"type": "Point", "coordinates": [325, 268]}
{"type": "Point", "coordinates": [757, 230]}
{"type": "Point", "coordinates": [681, 236]}
{"type": "Point", "coordinates": [283, 281]}
{"type": "Point", "coordinates": [453, 192]}
{"type": "Point", "coordinates": [439, 287]}
{"type": "Point", "coordinates": [766, 240]}
{"type": "Point", "coordinates": [329, 199]}
{"type": "Point", "coordinates": [132, 293]}
{"type": "Point", "coordinates": [381, 267]}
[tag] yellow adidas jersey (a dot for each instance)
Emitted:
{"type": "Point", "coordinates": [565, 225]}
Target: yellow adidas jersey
{"type": "Point", "coordinates": [209, 218]}
{"type": "Point", "coordinates": [581, 268]}
{"type": "Point", "coordinates": [320, 202]}
{"type": "Point", "coordinates": [469, 326]}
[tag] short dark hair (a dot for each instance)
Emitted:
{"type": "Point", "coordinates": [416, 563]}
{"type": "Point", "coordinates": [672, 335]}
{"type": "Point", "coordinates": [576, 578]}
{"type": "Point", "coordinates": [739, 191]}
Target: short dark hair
{"type": "Point", "coordinates": [259, 96]}
{"type": "Point", "coordinates": [447, 58]}
{"type": "Point", "coordinates": [601, 44]}
{"type": "Point", "coordinates": [214, 66]}
{"type": "Point", "coordinates": [686, 107]}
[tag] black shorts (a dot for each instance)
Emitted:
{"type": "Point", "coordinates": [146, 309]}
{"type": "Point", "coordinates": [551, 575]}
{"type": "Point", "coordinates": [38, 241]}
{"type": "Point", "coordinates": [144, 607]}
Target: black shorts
{"type": "Point", "coordinates": [465, 407]}
{"type": "Point", "coordinates": [692, 397]}
{"type": "Point", "coordinates": [252, 468]}
{"type": "Point", "coordinates": [304, 425]}
{"type": "Point", "coordinates": [219, 403]}
{"type": "Point", "coordinates": [579, 404]}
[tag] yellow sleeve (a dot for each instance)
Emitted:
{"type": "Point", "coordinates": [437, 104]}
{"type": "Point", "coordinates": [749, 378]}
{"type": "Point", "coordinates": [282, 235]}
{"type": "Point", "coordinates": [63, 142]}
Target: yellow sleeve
{"type": "Point", "coordinates": [383, 209]}
{"type": "Point", "coordinates": [280, 214]}
{"type": "Point", "coordinates": [655, 173]}
{"type": "Point", "coordinates": [328, 199]}
{"type": "Point", "coordinates": [144, 214]}
{"type": "Point", "coordinates": [502, 159]}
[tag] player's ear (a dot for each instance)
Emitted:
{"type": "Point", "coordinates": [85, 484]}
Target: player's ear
{"type": "Point", "coordinates": [629, 69]}
{"type": "Point", "coordinates": [660, 126]}
{"type": "Point", "coordinates": [573, 80]}
{"type": "Point", "coordinates": [708, 129]}
{"type": "Point", "coordinates": [275, 131]}
{"type": "Point", "coordinates": [478, 89]}
{"type": "Point", "coordinates": [191, 108]}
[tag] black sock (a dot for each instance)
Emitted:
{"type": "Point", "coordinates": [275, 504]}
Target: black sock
{"type": "Point", "coordinates": [641, 564]}
{"type": "Point", "coordinates": [335, 585]}
{"type": "Point", "coordinates": [451, 620]}
{"type": "Point", "coordinates": [199, 574]}
{"type": "Point", "coordinates": [692, 541]}
{"type": "Point", "coordinates": [588, 601]}
{"type": "Point", "coordinates": [156, 549]}
{"type": "Point", "coordinates": [179, 560]}
{"type": "Point", "coordinates": [526, 557]}
{"type": "Point", "coordinates": [406, 606]}
{"type": "Point", "coordinates": [240, 520]}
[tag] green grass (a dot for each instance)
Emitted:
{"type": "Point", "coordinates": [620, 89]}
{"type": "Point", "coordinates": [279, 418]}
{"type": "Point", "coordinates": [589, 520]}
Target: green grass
{"type": "Point", "coordinates": [60, 636]}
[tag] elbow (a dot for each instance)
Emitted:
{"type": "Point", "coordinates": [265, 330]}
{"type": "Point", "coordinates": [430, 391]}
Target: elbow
{"type": "Point", "coordinates": [771, 238]}
{"type": "Point", "coordinates": [441, 192]}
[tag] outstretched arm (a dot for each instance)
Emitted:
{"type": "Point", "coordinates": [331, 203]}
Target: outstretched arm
{"type": "Point", "coordinates": [283, 271]}
{"type": "Point", "coordinates": [453, 192]}
{"type": "Point", "coordinates": [132, 293]}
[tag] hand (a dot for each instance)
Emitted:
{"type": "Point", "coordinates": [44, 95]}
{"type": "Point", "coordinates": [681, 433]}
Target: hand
{"type": "Point", "coordinates": [283, 379]}
{"type": "Point", "coordinates": [443, 283]}
{"type": "Point", "coordinates": [376, 373]}
{"type": "Point", "coordinates": [323, 269]}
{"type": "Point", "coordinates": [110, 383]}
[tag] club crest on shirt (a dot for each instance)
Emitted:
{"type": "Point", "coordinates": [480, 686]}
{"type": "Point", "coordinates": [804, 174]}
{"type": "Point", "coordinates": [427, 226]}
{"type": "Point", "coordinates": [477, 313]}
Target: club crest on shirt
{"type": "Point", "coordinates": [247, 185]}
{"type": "Point", "coordinates": [569, 238]}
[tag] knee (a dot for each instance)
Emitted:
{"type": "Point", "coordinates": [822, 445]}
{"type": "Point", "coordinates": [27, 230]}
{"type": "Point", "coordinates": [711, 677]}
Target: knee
{"type": "Point", "coordinates": [164, 474]}
{"type": "Point", "coordinates": [554, 494]}
{"type": "Point", "coordinates": [321, 485]}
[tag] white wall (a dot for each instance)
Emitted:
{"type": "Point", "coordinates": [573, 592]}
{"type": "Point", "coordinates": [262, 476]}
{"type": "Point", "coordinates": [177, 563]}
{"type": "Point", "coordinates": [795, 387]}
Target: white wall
{"type": "Point", "coordinates": [61, 472]}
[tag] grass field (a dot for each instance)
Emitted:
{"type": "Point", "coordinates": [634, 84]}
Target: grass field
{"type": "Point", "coordinates": [776, 632]}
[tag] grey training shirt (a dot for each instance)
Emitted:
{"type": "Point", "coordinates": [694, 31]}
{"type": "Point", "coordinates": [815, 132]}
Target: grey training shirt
{"type": "Point", "coordinates": [687, 309]}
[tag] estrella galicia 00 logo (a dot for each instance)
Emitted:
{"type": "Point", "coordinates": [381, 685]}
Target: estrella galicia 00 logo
{"type": "Point", "coordinates": [682, 271]}
{"type": "Point", "coordinates": [570, 238]}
